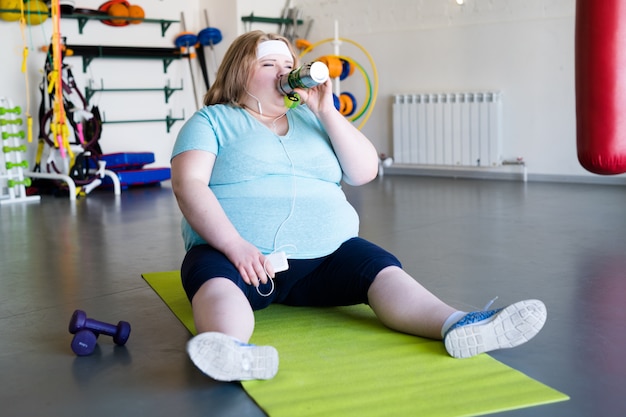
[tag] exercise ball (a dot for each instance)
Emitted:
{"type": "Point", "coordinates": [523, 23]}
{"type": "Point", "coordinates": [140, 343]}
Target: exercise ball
{"type": "Point", "coordinates": [36, 12]}
{"type": "Point", "coordinates": [118, 10]}
{"type": "Point", "coordinates": [11, 5]}
{"type": "Point", "coordinates": [136, 12]}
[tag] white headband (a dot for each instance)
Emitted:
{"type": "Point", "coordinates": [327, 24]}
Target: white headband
{"type": "Point", "coordinates": [272, 47]}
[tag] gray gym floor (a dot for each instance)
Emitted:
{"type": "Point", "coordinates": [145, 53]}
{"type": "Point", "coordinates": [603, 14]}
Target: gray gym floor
{"type": "Point", "coordinates": [467, 240]}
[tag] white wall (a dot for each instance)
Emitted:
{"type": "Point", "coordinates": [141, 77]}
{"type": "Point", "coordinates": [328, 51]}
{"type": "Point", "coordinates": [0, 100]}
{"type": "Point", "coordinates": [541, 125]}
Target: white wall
{"type": "Point", "coordinates": [525, 48]}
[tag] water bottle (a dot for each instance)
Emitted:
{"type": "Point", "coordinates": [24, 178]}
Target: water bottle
{"type": "Point", "coordinates": [307, 76]}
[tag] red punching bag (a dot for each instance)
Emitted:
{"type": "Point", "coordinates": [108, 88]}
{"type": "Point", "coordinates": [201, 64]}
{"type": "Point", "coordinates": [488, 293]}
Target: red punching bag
{"type": "Point", "coordinates": [601, 85]}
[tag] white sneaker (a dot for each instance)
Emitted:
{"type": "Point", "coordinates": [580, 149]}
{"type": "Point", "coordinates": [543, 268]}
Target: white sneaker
{"type": "Point", "coordinates": [225, 358]}
{"type": "Point", "coordinates": [484, 331]}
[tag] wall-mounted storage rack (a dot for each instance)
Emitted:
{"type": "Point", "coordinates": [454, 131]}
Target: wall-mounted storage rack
{"type": "Point", "coordinates": [167, 90]}
{"type": "Point", "coordinates": [84, 18]}
{"type": "Point", "coordinates": [169, 120]}
{"type": "Point", "coordinates": [276, 20]}
{"type": "Point", "coordinates": [89, 52]}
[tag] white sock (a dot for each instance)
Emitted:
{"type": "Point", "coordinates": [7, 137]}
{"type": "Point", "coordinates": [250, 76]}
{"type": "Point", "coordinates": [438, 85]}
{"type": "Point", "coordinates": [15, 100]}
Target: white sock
{"type": "Point", "coordinates": [452, 319]}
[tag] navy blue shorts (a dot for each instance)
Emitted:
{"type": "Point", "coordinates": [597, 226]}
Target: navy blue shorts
{"type": "Point", "coordinates": [339, 279]}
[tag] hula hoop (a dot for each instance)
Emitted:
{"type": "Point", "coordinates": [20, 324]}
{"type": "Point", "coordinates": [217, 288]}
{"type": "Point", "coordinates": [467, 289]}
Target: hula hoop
{"type": "Point", "coordinates": [369, 91]}
{"type": "Point", "coordinates": [374, 93]}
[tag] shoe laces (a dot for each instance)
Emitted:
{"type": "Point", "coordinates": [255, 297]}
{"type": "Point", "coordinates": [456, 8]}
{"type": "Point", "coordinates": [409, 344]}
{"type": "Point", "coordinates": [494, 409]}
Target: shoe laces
{"type": "Point", "coordinates": [486, 307]}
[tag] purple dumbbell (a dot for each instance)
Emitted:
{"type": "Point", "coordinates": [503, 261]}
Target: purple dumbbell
{"type": "Point", "coordinates": [84, 342]}
{"type": "Point", "coordinates": [120, 332]}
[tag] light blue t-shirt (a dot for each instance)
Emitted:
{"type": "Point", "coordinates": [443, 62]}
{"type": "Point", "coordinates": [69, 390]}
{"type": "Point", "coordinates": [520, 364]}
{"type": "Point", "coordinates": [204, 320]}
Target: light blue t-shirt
{"type": "Point", "coordinates": [280, 192]}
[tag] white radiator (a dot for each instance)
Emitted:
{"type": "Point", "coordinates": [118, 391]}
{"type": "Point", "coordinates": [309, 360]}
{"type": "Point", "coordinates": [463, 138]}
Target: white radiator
{"type": "Point", "coordinates": [448, 129]}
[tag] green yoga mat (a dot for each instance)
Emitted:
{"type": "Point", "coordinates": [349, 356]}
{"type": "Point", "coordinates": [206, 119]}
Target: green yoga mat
{"type": "Point", "coordinates": [342, 362]}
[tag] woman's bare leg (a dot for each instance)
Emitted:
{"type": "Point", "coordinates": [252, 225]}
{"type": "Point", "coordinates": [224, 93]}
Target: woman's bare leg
{"type": "Point", "coordinates": [403, 304]}
{"type": "Point", "coordinates": [220, 306]}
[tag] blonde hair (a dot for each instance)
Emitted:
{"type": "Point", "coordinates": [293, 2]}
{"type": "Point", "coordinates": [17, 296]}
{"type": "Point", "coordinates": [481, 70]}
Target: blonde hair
{"type": "Point", "coordinates": [237, 68]}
